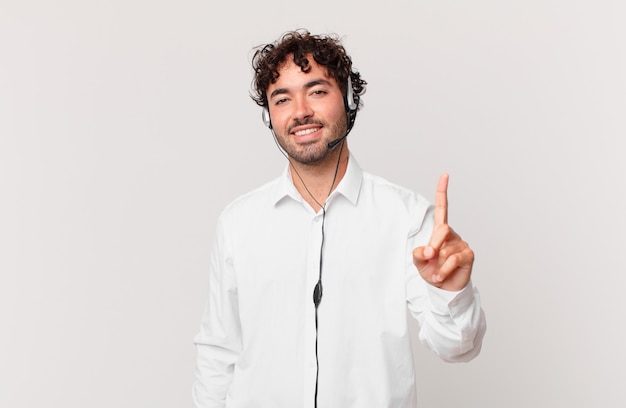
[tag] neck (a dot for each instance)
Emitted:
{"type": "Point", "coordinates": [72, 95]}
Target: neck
{"type": "Point", "coordinates": [316, 181]}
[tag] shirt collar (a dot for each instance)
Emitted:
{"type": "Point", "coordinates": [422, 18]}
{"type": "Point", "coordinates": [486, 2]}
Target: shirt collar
{"type": "Point", "coordinates": [349, 187]}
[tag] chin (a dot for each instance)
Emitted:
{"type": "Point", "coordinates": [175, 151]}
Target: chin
{"type": "Point", "coordinates": [311, 156]}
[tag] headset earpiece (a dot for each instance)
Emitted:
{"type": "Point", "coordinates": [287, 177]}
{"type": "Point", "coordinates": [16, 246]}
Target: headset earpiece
{"type": "Point", "coordinates": [265, 115]}
{"type": "Point", "coordinates": [352, 100]}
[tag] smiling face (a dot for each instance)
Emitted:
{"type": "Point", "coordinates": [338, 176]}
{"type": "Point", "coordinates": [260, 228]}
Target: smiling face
{"type": "Point", "coordinates": [307, 111]}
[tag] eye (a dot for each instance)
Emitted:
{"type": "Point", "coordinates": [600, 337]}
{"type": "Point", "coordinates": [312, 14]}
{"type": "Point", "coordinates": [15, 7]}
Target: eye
{"type": "Point", "coordinates": [280, 101]}
{"type": "Point", "coordinates": [318, 92]}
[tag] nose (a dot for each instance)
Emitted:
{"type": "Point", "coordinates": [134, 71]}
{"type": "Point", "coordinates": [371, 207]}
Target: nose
{"type": "Point", "coordinates": [302, 109]}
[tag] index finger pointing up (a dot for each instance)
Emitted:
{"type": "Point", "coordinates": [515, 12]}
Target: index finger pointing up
{"type": "Point", "coordinates": [441, 200]}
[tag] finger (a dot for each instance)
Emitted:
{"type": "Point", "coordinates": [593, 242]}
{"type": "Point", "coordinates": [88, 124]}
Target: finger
{"type": "Point", "coordinates": [449, 258]}
{"type": "Point", "coordinates": [421, 255]}
{"type": "Point", "coordinates": [442, 234]}
{"type": "Point", "coordinates": [441, 200]}
{"type": "Point", "coordinates": [459, 260]}
{"type": "Point", "coordinates": [450, 249]}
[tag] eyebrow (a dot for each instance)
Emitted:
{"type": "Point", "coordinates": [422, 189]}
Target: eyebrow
{"type": "Point", "coordinates": [308, 85]}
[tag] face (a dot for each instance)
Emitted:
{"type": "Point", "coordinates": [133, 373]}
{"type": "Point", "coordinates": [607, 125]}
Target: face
{"type": "Point", "coordinates": [307, 111]}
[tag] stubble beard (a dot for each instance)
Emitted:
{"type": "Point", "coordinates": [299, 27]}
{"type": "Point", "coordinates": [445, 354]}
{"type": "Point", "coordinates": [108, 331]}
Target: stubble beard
{"type": "Point", "coordinates": [314, 152]}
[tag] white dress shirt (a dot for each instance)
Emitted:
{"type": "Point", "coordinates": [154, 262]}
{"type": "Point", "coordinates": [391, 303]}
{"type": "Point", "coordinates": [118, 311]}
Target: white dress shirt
{"type": "Point", "coordinates": [256, 345]}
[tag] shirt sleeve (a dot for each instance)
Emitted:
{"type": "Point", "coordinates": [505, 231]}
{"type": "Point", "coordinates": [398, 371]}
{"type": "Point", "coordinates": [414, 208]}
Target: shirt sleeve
{"type": "Point", "coordinates": [452, 324]}
{"type": "Point", "coordinates": [219, 341]}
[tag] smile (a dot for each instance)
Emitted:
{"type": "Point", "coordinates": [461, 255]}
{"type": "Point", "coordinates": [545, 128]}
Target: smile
{"type": "Point", "coordinates": [306, 131]}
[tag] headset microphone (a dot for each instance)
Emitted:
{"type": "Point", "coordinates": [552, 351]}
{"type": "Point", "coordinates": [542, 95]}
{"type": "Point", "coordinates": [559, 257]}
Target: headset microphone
{"type": "Point", "coordinates": [336, 141]}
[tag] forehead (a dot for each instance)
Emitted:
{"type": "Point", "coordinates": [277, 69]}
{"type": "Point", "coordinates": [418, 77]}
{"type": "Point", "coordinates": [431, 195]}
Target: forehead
{"type": "Point", "coordinates": [291, 75]}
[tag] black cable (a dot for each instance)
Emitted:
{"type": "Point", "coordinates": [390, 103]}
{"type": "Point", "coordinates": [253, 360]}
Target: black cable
{"type": "Point", "coordinates": [317, 298]}
{"type": "Point", "coordinates": [317, 292]}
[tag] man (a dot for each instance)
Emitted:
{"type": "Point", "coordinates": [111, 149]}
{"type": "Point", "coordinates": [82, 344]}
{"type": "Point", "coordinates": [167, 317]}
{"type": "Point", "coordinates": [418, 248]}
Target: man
{"type": "Point", "coordinates": [311, 274]}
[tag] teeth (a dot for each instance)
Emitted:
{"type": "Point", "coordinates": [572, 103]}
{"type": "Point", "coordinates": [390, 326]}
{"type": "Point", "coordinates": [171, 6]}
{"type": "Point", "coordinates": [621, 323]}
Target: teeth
{"type": "Point", "coordinates": [306, 131]}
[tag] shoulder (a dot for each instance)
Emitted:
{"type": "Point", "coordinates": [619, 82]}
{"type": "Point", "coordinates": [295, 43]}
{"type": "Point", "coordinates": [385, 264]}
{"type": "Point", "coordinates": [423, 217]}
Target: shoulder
{"type": "Point", "coordinates": [397, 202]}
{"type": "Point", "coordinates": [383, 189]}
{"type": "Point", "coordinates": [253, 202]}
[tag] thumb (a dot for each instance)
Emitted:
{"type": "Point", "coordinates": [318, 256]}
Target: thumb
{"type": "Point", "coordinates": [422, 255]}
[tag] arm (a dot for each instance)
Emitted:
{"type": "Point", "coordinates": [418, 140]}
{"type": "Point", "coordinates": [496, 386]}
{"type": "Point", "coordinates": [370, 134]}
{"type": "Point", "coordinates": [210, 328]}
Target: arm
{"type": "Point", "coordinates": [452, 324]}
{"type": "Point", "coordinates": [219, 341]}
{"type": "Point", "coordinates": [441, 296]}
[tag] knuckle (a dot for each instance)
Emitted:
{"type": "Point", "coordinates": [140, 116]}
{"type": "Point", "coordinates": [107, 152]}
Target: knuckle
{"type": "Point", "coordinates": [444, 253]}
{"type": "Point", "coordinates": [455, 260]}
{"type": "Point", "coordinates": [470, 253]}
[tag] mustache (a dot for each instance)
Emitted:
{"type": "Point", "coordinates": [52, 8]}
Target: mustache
{"type": "Point", "coordinates": [307, 121]}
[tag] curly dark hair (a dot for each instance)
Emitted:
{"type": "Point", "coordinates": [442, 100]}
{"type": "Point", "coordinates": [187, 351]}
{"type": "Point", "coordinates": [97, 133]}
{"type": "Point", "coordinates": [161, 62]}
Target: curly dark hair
{"type": "Point", "coordinates": [326, 50]}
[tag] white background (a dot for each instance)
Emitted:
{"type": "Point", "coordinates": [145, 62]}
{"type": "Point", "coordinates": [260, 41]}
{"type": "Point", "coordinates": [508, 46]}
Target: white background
{"type": "Point", "coordinates": [126, 126]}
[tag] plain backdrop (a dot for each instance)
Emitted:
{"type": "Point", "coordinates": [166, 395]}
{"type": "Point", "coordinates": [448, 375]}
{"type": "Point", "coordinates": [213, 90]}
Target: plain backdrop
{"type": "Point", "coordinates": [126, 126]}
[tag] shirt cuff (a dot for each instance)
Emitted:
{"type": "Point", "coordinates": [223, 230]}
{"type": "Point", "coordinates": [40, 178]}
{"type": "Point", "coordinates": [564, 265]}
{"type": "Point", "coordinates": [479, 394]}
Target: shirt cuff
{"type": "Point", "coordinates": [448, 302]}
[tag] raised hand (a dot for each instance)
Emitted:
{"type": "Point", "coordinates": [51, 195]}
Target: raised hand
{"type": "Point", "coordinates": [446, 262]}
